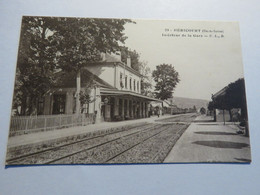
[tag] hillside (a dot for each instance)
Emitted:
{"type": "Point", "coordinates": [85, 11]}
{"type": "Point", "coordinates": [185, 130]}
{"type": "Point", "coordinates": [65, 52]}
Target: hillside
{"type": "Point", "coordinates": [182, 102]}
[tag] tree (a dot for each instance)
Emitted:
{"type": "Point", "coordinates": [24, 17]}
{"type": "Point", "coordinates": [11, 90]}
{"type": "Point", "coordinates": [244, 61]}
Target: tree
{"type": "Point", "coordinates": [146, 81]}
{"type": "Point", "coordinates": [211, 109]}
{"type": "Point", "coordinates": [135, 61]}
{"type": "Point", "coordinates": [211, 106]}
{"type": "Point", "coordinates": [166, 78]}
{"type": "Point", "coordinates": [83, 40]}
{"type": "Point", "coordinates": [36, 62]}
{"type": "Point", "coordinates": [50, 44]}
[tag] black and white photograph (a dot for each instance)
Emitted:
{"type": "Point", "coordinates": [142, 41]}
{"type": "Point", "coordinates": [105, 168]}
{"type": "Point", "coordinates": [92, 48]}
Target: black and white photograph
{"type": "Point", "coordinates": [128, 91]}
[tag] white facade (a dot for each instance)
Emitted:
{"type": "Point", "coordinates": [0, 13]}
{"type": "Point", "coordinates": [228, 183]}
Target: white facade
{"type": "Point", "coordinates": [118, 75]}
{"type": "Point", "coordinates": [129, 79]}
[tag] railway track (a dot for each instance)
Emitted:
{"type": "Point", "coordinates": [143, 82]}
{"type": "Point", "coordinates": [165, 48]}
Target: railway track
{"type": "Point", "coordinates": [43, 156]}
{"type": "Point", "coordinates": [18, 153]}
{"type": "Point", "coordinates": [152, 150]}
{"type": "Point", "coordinates": [185, 118]}
{"type": "Point", "coordinates": [102, 153]}
{"type": "Point", "coordinates": [147, 143]}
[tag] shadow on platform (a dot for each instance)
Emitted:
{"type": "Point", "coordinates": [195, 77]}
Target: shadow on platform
{"type": "Point", "coordinates": [211, 124]}
{"type": "Point", "coordinates": [243, 159]}
{"type": "Point", "coordinates": [221, 144]}
{"type": "Point", "coordinates": [214, 133]}
{"type": "Point", "coordinates": [203, 121]}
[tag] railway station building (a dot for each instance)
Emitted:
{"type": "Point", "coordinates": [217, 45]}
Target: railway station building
{"type": "Point", "coordinates": [115, 93]}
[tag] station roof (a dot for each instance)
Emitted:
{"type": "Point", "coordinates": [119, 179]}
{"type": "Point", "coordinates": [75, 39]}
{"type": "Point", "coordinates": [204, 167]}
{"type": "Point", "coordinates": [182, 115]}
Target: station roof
{"type": "Point", "coordinates": [111, 59]}
{"type": "Point", "coordinates": [68, 80]}
{"type": "Point", "coordinates": [220, 93]}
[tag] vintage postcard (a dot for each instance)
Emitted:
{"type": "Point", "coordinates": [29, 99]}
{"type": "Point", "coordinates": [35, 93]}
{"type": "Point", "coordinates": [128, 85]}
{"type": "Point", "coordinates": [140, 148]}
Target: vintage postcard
{"type": "Point", "coordinates": [128, 91]}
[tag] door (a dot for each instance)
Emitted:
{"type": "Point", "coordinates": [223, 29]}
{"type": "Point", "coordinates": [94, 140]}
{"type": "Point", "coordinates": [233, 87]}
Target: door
{"type": "Point", "coordinates": [59, 101]}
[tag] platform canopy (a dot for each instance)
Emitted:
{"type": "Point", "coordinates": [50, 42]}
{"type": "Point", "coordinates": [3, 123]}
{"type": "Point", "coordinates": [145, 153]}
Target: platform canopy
{"type": "Point", "coordinates": [116, 92]}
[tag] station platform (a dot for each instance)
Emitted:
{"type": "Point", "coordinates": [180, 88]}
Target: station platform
{"type": "Point", "coordinates": [206, 141]}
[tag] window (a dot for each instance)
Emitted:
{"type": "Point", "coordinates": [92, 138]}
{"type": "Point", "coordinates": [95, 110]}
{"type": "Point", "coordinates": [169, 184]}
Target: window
{"type": "Point", "coordinates": [137, 86]}
{"type": "Point", "coordinates": [121, 80]}
{"type": "Point", "coordinates": [40, 106]}
{"type": "Point", "coordinates": [134, 85]}
{"type": "Point", "coordinates": [125, 81]}
{"type": "Point", "coordinates": [130, 83]}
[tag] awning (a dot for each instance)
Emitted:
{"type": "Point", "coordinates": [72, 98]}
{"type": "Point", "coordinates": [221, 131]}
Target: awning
{"type": "Point", "coordinates": [105, 91]}
{"type": "Point", "coordinates": [219, 93]}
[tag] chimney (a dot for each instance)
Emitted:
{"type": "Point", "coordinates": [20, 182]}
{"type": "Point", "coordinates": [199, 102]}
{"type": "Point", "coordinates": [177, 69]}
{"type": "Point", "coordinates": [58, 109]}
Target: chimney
{"type": "Point", "coordinates": [103, 56]}
{"type": "Point", "coordinates": [118, 56]}
{"type": "Point", "coordinates": [128, 61]}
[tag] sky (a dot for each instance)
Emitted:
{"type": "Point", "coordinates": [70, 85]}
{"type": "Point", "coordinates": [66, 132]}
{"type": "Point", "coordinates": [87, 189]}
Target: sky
{"type": "Point", "coordinates": [207, 55]}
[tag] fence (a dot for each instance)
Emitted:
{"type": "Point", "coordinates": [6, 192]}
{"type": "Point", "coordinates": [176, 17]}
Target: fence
{"type": "Point", "coordinates": [29, 124]}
